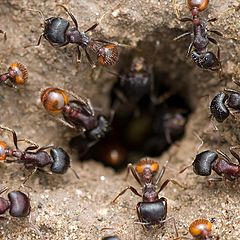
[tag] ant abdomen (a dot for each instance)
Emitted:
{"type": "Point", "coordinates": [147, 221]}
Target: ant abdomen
{"type": "Point", "coordinates": [61, 160]}
{"type": "Point", "coordinates": [202, 164]}
{"type": "Point", "coordinates": [20, 204]}
{"type": "Point", "coordinates": [218, 108]}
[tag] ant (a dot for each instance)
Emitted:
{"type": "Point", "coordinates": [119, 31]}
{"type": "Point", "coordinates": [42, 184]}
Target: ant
{"type": "Point", "coordinates": [223, 101]}
{"type": "Point", "coordinates": [58, 33]}
{"type": "Point", "coordinates": [200, 55]}
{"type": "Point", "coordinates": [77, 114]}
{"type": "Point", "coordinates": [111, 238]}
{"type": "Point", "coordinates": [152, 211]}
{"type": "Point", "coordinates": [219, 162]}
{"type": "Point", "coordinates": [58, 159]}
{"type": "Point", "coordinates": [18, 204]}
{"type": "Point", "coordinates": [136, 83]}
{"type": "Point", "coordinates": [17, 74]}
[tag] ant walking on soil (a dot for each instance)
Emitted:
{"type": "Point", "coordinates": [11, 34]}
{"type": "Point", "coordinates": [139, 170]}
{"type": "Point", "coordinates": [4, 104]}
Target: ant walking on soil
{"type": "Point", "coordinates": [58, 159]}
{"type": "Point", "coordinates": [200, 55]}
{"type": "Point", "coordinates": [152, 211]}
{"type": "Point", "coordinates": [58, 32]}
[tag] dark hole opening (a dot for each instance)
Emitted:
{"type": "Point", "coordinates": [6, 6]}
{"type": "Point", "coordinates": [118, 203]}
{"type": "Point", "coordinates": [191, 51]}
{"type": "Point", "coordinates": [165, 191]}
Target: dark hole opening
{"type": "Point", "coordinates": [144, 123]}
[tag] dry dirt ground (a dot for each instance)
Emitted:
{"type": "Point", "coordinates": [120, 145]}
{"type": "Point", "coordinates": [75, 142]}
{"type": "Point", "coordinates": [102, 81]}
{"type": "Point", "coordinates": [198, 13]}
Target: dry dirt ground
{"type": "Point", "coordinates": [64, 207]}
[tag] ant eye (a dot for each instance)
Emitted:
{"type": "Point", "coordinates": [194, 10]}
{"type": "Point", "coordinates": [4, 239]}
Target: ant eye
{"type": "Point", "coordinates": [3, 147]}
{"type": "Point", "coordinates": [54, 99]}
{"type": "Point", "coordinates": [18, 72]}
{"type": "Point", "coordinates": [108, 55]}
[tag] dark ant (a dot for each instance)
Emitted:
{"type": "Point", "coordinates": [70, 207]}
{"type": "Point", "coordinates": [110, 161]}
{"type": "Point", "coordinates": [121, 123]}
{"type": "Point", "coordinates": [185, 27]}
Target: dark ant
{"type": "Point", "coordinates": [200, 55]}
{"type": "Point", "coordinates": [58, 159]}
{"type": "Point", "coordinates": [17, 74]}
{"type": "Point", "coordinates": [18, 204]}
{"type": "Point", "coordinates": [219, 162]}
{"type": "Point", "coordinates": [77, 114]}
{"type": "Point", "coordinates": [58, 33]}
{"type": "Point", "coordinates": [223, 102]}
{"type": "Point", "coordinates": [136, 83]}
{"type": "Point", "coordinates": [152, 211]}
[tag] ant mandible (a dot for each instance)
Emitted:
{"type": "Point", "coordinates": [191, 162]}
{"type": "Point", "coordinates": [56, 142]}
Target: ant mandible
{"type": "Point", "coordinates": [152, 211]}
{"type": "Point", "coordinates": [225, 103]}
{"type": "Point", "coordinates": [58, 159]}
{"type": "Point", "coordinates": [200, 55]}
{"type": "Point", "coordinates": [57, 32]}
{"type": "Point", "coordinates": [77, 114]}
{"type": "Point", "coordinates": [17, 74]}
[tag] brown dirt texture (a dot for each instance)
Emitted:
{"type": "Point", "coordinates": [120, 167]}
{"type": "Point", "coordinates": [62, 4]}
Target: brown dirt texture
{"type": "Point", "coordinates": [64, 207]}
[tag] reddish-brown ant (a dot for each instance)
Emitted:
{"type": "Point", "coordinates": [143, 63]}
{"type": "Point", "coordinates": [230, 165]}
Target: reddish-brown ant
{"type": "Point", "coordinates": [17, 74]}
{"type": "Point", "coordinates": [77, 114]}
{"type": "Point", "coordinates": [152, 211]}
{"type": "Point", "coordinates": [200, 55]}
{"type": "Point", "coordinates": [57, 32]}
{"type": "Point", "coordinates": [58, 159]}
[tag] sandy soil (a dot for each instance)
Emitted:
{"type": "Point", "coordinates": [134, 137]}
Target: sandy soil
{"type": "Point", "coordinates": [64, 207]}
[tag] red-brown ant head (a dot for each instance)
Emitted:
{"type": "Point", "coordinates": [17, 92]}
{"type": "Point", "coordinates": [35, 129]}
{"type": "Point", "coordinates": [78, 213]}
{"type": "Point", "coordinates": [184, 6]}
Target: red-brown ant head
{"type": "Point", "coordinates": [201, 228]}
{"type": "Point", "coordinates": [147, 168]}
{"type": "Point", "coordinates": [53, 100]}
{"type": "Point", "coordinates": [3, 147]}
{"type": "Point", "coordinates": [196, 6]}
{"type": "Point", "coordinates": [108, 55]}
{"type": "Point", "coordinates": [18, 73]}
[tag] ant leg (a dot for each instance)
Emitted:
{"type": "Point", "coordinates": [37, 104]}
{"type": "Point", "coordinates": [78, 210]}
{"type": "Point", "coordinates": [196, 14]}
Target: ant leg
{"type": "Point", "coordinates": [4, 190]}
{"type": "Point", "coordinates": [234, 153]}
{"type": "Point", "coordinates": [70, 14]}
{"type": "Point", "coordinates": [189, 49]}
{"type": "Point", "coordinates": [79, 54]}
{"type": "Point", "coordinates": [92, 27]}
{"type": "Point", "coordinates": [130, 168]}
{"type": "Point", "coordinates": [45, 147]}
{"type": "Point", "coordinates": [231, 90]}
{"type": "Point", "coordinates": [35, 10]}
{"type": "Point", "coordinates": [65, 123]}
{"type": "Point", "coordinates": [28, 176]}
{"type": "Point", "coordinates": [161, 173]}
{"type": "Point", "coordinates": [216, 43]}
{"type": "Point", "coordinates": [166, 183]}
{"type": "Point", "coordinates": [216, 32]}
{"type": "Point", "coordinates": [212, 19]}
{"type": "Point", "coordinates": [4, 34]}
{"type": "Point", "coordinates": [92, 64]}
{"type": "Point", "coordinates": [224, 155]}
{"type": "Point", "coordinates": [182, 36]}
{"type": "Point", "coordinates": [124, 190]}
{"type": "Point", "coordinates": [35, 45]}
{"type": "Point", "coordinates": [237, 82]}
{"type": "Point", "coordinates": [214, 179]}
{"type": "Point", "coordinates": [15, 140]}
{"type": "Point", "coordinates": [174, 225]}
{"type": "Point", "coordinates": [33, 144]}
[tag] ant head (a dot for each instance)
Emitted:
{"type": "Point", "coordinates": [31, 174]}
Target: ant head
{"type": "Point", "coordinates": [61, 160]}
{"type": "Point", "coordinates": [138, 64]}
{"type": "Point", "coordinates": [107, 55]}
{"type": "Point", "coordinates": [3, 147]}
{"type": "Point", "coordinates": [53, 100]}
{"type": "Point", "coordinates": [147, 168]}
{"type": "Point", "coordinates": [201, 228]}
{"type": "Point", "coordinates": [18, 73]}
